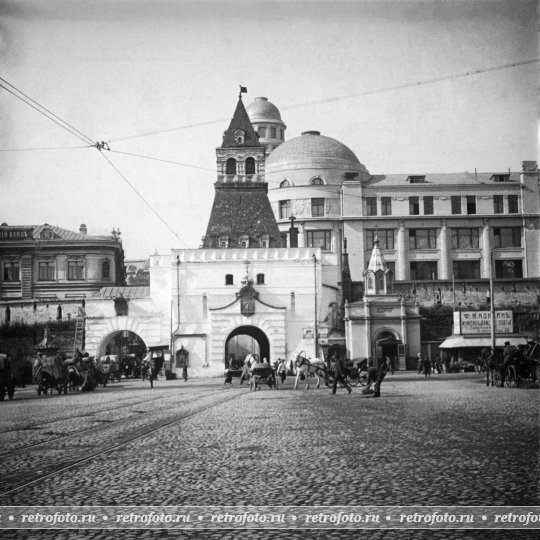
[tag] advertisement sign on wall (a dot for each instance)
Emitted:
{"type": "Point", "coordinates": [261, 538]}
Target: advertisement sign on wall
{"type": "Point", "coordinates": [479, 322]}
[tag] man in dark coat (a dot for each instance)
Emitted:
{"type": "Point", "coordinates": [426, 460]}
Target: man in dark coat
{"type": "Point", "coordinates": [339, 374]}
{"type": "Point", "coordinates": [508, 356]}
{"type": "Point", "coordinates": [376, 375]}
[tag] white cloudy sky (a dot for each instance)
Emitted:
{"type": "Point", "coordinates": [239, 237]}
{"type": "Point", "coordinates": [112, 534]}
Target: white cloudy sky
{"type": "Point", "coordinates": [119, 68]}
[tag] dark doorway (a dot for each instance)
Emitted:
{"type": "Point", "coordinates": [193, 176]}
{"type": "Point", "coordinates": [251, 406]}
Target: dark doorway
{"type": "Point", "coordinates": [387, 345]}
{"type": "Point", "coordinates": [245, 340]}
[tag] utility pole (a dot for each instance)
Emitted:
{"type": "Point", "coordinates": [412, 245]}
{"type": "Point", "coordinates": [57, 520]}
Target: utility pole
{"type": "Point", "coordinates": [492, 302]}
{"type": "Point", "coordinates": [316, 335]}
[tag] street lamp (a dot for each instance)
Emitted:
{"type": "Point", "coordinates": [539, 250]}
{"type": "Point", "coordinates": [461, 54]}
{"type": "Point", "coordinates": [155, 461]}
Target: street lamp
{"type": "Point", "coordinates": [315, 261]}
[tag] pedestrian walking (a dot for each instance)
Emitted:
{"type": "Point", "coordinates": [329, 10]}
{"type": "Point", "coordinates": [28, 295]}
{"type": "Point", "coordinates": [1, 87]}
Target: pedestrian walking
{"type": "Point", "coordinates": [390, 362]}
{"type": "Point", "coordinates": [281, 369]}
{"type": "Point", "coordinates": [184, 371]}
{"type": "Point", "coordinates": [420, 365]}
{"type": "Point", "coordinates": [426, 364]}
{"type": "Point", "coordinates": [339, 374]}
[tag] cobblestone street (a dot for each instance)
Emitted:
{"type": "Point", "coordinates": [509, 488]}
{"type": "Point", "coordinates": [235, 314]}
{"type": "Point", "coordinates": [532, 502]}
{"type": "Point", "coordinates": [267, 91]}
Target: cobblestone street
{"type": "Point", "coordinates": [445, 441]}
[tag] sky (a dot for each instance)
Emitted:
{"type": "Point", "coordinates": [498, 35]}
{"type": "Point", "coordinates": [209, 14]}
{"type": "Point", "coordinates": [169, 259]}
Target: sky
{"type": "Point", "coordinates": [160, 78]}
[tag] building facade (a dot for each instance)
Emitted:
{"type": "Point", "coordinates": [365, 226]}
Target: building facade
{"type": "Point", "coordinates": [44, 266]}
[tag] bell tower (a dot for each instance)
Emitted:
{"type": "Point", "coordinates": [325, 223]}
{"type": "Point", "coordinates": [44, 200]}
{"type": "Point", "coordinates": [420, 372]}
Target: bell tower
{"type": "Point", "coordinates": [241, 216]}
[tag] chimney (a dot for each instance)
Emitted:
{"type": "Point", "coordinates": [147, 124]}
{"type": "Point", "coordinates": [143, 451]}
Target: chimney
{"type": "Point", "coordinates": [529, 166]}
{"type": "Point", "coordinates": [83, 229]}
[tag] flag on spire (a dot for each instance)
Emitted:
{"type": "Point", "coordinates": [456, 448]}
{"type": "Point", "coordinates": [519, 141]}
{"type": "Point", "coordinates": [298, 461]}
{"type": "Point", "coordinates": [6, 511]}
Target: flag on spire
{"type": "Point", "coordinates": [243, 90]}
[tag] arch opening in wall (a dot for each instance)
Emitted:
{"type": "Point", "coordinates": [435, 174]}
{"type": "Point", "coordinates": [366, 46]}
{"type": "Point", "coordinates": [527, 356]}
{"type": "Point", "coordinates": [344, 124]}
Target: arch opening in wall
{"type": "Point", "coordinates": [230, 167]}
{"type": "Point", "coordinates": [124, 343]}
{"type": "Point", "coordinates": [386, 343]}
{"type": "Point", "coordinates": [245, 340]}
{"type": "Point", "coordinates": [250, 166]}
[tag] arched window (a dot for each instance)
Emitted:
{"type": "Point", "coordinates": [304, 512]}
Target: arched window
{"type": "Point", "coordinates": [285, 183]}
{"type": "Point", "coordinates": [243, 241]}
{"type": "Point", "coordinates": [250, 165]}
{"type": "Point", "coordinates": [264, 241]}
{"type": "Point", "coordinates": [231, 166]}
{"type": "Point", "coordinates": [223, 242]}
{"type": "Point", "coordinates": [59, 312]}
{"type": "Point", "coordinates": [317, 181]}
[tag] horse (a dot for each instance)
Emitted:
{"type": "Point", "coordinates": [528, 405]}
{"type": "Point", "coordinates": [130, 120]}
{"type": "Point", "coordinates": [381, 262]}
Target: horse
{"type": "Point", "coordinates": [307, 367]}
{"type": "Point", "coordinates": [246, 369]}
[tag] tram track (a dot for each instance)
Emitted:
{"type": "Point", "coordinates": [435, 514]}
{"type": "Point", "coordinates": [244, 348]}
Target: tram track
{"type": "Point", "coordinates": [136, 435]}
{"type": "Point", "coordinates": [103, 409]}
{"type": "Point", "coordinates": [79, 432]}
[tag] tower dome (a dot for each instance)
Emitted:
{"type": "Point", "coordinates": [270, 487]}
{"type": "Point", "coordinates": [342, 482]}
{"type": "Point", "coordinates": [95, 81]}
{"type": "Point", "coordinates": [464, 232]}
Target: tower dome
{"type": "Point", "coordinates": [266, 120]}
{"type": "Point", "coordinates": [313, 155]}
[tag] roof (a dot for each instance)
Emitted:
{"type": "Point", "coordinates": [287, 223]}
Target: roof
{"type": "Point", "coordinates": [241, 209]}
{"type": "Point", "coordinates": [460, 342]}
{"type": "Point", "coordinates": [240, 121]}
{"type": "Point", "coordinates": [441, 179]}
{"type": "Point", "coordinates": [313, 150]}
{"type": "Point", "coordinates": [124, 292]}
{"type": "Point", "coordinates": [376, 261]}
{"type": "Point", "coordinates": [261, 109]}
{"type": "Point", "coordinates": [58, 233]}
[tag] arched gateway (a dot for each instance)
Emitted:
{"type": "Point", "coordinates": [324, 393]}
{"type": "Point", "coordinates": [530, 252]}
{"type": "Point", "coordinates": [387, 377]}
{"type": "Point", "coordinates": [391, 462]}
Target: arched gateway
{"type": "Point", "coordinates": [245, 340]}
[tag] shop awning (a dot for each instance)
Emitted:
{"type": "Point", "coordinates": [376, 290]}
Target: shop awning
{"type": "Point", "coordinates": [460, 342]}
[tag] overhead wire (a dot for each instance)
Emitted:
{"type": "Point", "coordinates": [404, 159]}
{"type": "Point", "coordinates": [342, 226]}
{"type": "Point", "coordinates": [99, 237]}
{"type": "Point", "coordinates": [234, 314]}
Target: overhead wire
{"type": "Point", "coordinates": [143, 199]}
{"type": "Point", "coordinates": [162, 160]}
{"type": "Point", "coordinates": [340, 98]}
{"type": "Point", "coordinates": [52, 116]}
{"type": "Point", "coordinates": [47, 148]}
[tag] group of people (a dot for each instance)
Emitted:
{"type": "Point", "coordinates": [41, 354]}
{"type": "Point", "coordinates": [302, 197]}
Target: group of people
{"type": "Point", "coordinates": [426, 366]}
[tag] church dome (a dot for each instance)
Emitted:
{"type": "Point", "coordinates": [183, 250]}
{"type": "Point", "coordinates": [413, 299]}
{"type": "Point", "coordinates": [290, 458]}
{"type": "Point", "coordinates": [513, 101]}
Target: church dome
{"type": "Point", "coordinates": [262, 110]}
{"type": "Point", "coordinates": [313, 151]}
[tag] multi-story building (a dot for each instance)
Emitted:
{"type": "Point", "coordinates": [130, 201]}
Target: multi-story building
{"type": "Point", "coordinates": [45, 264]}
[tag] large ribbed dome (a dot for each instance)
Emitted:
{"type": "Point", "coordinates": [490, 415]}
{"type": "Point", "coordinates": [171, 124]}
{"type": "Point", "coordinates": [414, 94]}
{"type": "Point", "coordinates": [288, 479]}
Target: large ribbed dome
{"type": "Point", "coordinates": [261, 109]}
{"type": "Point", "coordinates": [312, 150]}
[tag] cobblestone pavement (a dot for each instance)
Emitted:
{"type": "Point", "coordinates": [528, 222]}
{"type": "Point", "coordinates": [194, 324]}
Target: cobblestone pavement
{"type": "Point", "coordinates": [445, 441]}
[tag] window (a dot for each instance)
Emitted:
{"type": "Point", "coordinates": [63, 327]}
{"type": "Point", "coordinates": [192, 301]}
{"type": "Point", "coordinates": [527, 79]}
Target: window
{"type": "Point", "coordinates": [385, 236]}
{"type": "Point", "coordinates": [513, 206]}
{"type": "Point", "coordinates": [273, 133]}
{"type": "Point", "coordinates": [243, 241]}
{"type": "Point", "coordinates": [505, 237]}
{"type": "Point", "coordinates": [467, 269]}
{"type": "Point", "coordinates": [250, 165]}
{"type": "Point", "coordinates": [75, 270]}
{"type": "Point", "coordinates": [317, 181]}
{"type": "Point", "coordinates": [386, 206]}
{"type": "Point", "coordinates": [371, 206]}
{"type": "Point", "coordinates": [391, 265]}
{"type": "Point", "coordinates": [419, 179]}
{"type": "Point", "coordinates": [264, 241]}
{"type": "Point", "coordinates": [223, 242]}
{"type": "Point", "coordinates": [230, 167]}
{"type": "Point", "coordinates": [260, 279]}
{"type": "Point", "coordinates": [283, 240]}
{"type": "Point", "coordinates": [423, 270]}
{"type": "Point", "coordinates": [229, 279]}
{"type": "Point", "coordinates": [428, 205]}
{"type": "Point", "coordinates": [317, 207]}
{"type": "Point", "coordinates": [509, 269]}
{"type": "Point", "coordinates": [262, 131]}
{"type": "Point", "coordinates": [285, 183]}
{"type": "Point", "coordinates": [500, 177]}
{"type": "Point", "coordinates": [239, 136]}
{"type": "Point", "coordinates": [456, 204]}
{"type": "Point", "coordinates": [121, 307]}
{"type": "Point", "coordinates": [284, 209]}
{"type": "Point", "coordinates": [471, 204]}
{"type": "Point", "coordinates": [322, 239]}
{"type": "Point", "coordinates": [414, 206]}
{"type": "Point", "coordinates": [11, 271]}
{"type": "Point", "coordinates": [106, 269]}
{"type": "Point", "coordinates": [498, 204]}
{"type": "Point", "coordinates": [422, 238]}
{"type": "Point", "coordinates": [46, 271]}
{"type": "Point", "coordinates": [281, 133]}
{"type": "Point", "coordinates": [465, 239]}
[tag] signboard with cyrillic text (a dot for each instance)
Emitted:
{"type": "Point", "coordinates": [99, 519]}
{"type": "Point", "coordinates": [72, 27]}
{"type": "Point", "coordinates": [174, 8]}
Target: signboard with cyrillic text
{"type": "Point", "coordinates": [479, 322]}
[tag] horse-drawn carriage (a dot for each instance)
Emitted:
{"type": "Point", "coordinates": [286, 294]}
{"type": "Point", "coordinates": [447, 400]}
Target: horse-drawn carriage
{"type": "Point", "coordinates": [7, 377]}
{"type": "Point", "coordinates": [356, 372]}
{"type": "Point", "coordinates": [521, 368]}
{"type": "Point", "coordinates": [50, 373]}
{"type": "Point", "coordinates": [262, 374]}
{"type": "Point", "coordinates": [109, 365]}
